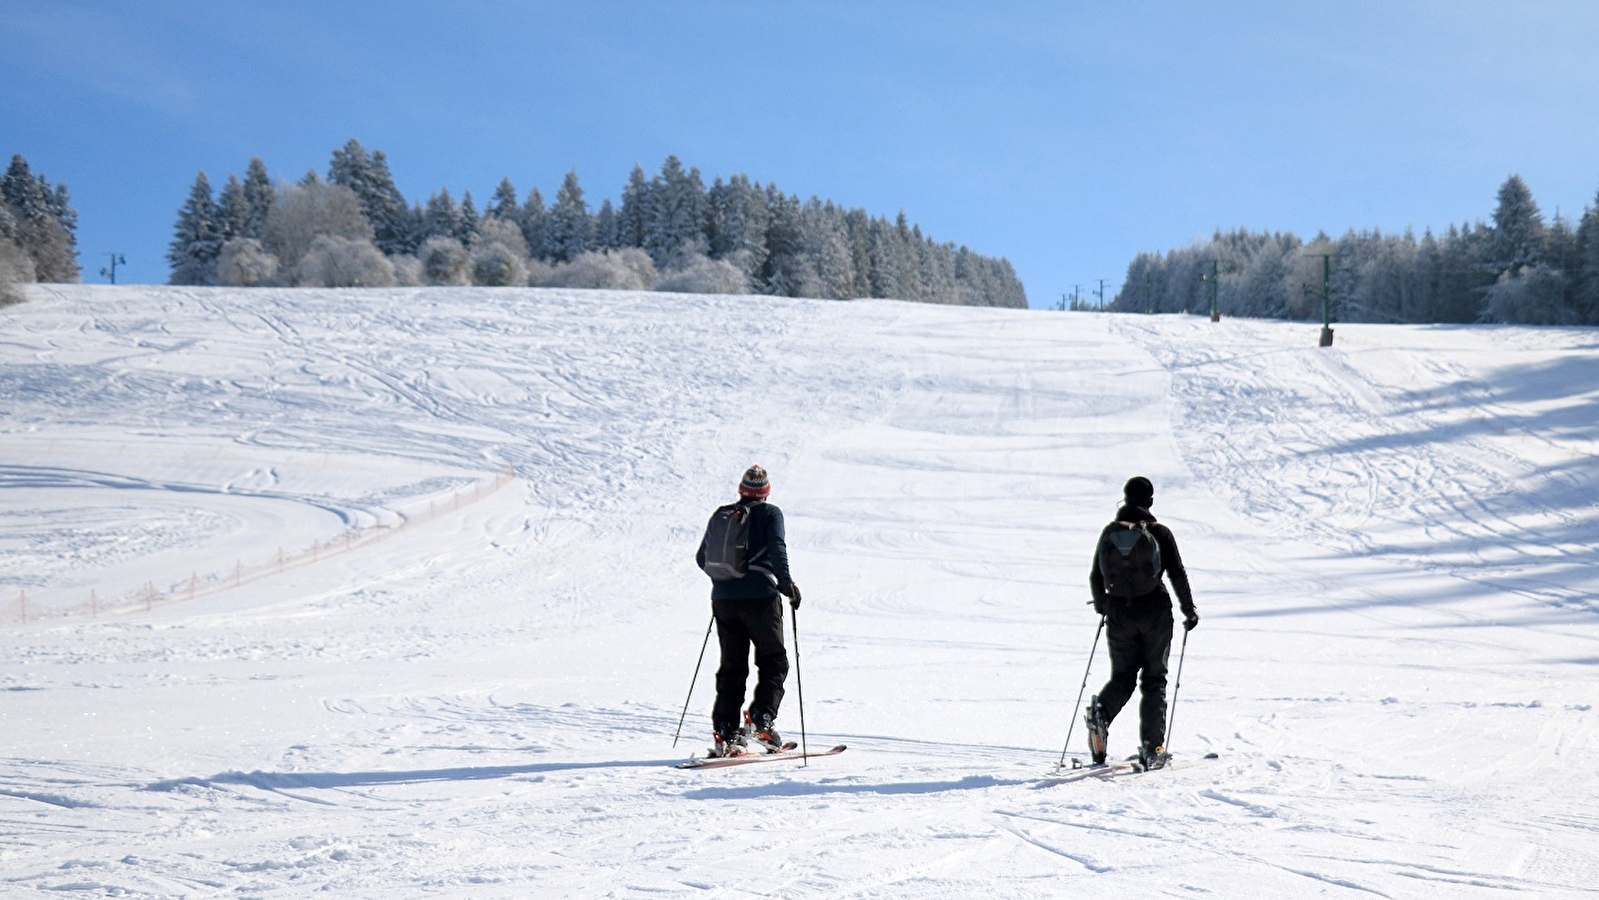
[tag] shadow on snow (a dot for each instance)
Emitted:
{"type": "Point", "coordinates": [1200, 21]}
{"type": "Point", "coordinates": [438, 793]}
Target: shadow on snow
{"type": "Point", "coordinates": [281, 781]}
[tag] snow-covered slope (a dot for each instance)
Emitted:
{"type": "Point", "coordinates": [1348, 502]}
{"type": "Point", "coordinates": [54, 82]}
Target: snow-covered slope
{"type": "Point", "coordinates": [391, 593]}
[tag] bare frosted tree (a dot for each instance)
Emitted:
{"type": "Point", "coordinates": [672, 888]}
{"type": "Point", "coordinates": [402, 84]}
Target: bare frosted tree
{"type": "Point", "coordinates": [335, 261]}
{"type": "Point", "coordinates": [407, 270]}
{"type": "Point", "coordinates": [629, 269]}
{"type": "Point", "coordinates": [1531, 295]}
{"type": "Point", "coordinates": [302, 213]}
{"type": "Point", "coordinates": [16, 268]}
{"type": "Point", "coordinates": [703, 275]}
{"type": "Point", "coordinates": [498, 257]}
{"type": "Point", "coordinates": [444, 261]}
{"type": "Point", "coordinates": [243, 262]}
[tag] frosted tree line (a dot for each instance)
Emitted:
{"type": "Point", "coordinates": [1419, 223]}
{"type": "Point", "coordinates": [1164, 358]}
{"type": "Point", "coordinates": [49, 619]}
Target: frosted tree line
{"type": "Point", "coordinates": [669, 232]}
{"type": "Point", "coordinates": [38, 230]}
{"type": "Point", "coordinates": [1515, 269]}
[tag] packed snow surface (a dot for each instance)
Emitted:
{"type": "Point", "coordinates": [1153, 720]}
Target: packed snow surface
{"type": "Point", "coordinates": [391, 593]}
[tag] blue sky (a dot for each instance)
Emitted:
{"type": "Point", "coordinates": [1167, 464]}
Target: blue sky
{"type": "Point", "coordinates": [1065, 136]}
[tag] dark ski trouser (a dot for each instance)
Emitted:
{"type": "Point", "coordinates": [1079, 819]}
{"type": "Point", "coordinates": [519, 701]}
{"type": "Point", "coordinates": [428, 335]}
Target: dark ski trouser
{"type": "Point", "coordinates": [741, 624]}
{"type": "Point", "coordinates": [1138, 634]}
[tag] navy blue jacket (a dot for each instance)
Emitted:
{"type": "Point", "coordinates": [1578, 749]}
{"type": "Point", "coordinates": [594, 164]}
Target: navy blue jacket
{"type": "Point", "coordinates": [768, 555]}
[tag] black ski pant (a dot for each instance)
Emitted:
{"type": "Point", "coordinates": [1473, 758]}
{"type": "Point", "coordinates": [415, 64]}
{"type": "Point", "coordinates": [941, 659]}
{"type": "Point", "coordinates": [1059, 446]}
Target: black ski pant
{"type": "Point", "coordinates": [740, 625]}
{"type": "Point", "coordinates": [1138, 634]}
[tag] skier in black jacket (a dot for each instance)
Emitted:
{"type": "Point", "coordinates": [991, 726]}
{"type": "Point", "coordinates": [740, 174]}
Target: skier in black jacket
{"type": "Point", "coordinates": [1138, 625]}
{"type": "Point", "coordinates": [748, 613]}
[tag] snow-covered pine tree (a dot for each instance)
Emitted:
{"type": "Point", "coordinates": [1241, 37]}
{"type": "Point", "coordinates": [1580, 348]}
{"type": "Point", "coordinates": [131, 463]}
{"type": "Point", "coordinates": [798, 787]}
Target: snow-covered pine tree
{"type": "Point", "coordinates": [1517, 237]}
{"type": "Point", "coordinates": [634, 217]}
{"type": "Point", "coordinates": [468, 220]}
{"type": "Point", "coordinates": [887, 261]}
{"type": "Point", "coordinates": [783, 273]}
{"type": "Point", "coordinates": [535, 225]}
{"type": "Point", "coordinates": [233, 210]}
{"type": "Point", "coordinates": [607, 229]}
{"type": "Point", "coordinates": [913, 275]}
{"type": "Point", "coordinates": [43, 222]}
{"type": "Point", "coordinates": [675, 230]}
{"type": "Point", "coordinates": [738, 222]}
{"type": "Point", "coordinates": [857, 235]}
{"type": "Point", "coordinates": [196, 239]}
{"type": "Point", "coordinates": [67, 218]}
{"type": "Point", "coordinates": [258, 194]}
{"type": "Point", "coordinates": [570, 229]}
{"type": "Point", "coordinates": [441, 217]}
{"type": "Point", "coordinates": [1563, 252]}
{"type": "Point", "coordinates": [1008, 290]}
{"type": "Point", "coordinates": [939, 261]}
{"type": "Point", "coordinates": [828, 266]}
{"type": "Point", "coordinates": [504, 205]}
{"type": "Point", "coordinates": [1586, 292]}
{"type": "Point", "coordinates": [368, 175]}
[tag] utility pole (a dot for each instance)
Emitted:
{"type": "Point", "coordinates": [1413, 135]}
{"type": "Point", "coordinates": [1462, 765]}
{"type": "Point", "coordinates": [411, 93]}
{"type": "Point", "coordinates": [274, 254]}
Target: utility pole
{"type": "Point", "coordinates": [1149, 295]}
{"type": "Point", "coordinates": [117, 259]}
{"type": "Point", "coordinates": [1101, 294]}
{"type": "Point", "coordinates": [1213, 278]}
{"type": "Point", "coordinates": [1326, 299]}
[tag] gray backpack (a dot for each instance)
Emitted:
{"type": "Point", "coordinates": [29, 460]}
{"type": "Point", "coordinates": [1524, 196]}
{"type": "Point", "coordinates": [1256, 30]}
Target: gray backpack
{"type": "Point", "coordinates": [1129, 560]}
{"type": "Point", "coordinates": [727, 542]}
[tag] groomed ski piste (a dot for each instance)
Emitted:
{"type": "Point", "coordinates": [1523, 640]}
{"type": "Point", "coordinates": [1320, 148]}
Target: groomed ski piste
{"type": "Point", "coordinates": [391, 593]}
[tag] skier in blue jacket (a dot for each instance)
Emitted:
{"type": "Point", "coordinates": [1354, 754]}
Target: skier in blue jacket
{"type": "Point", "coordinates": [749, 613]}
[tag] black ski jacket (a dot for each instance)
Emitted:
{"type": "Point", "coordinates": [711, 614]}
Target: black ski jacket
{"type": "Point", "coordinates": [768, 554]}
{"type": "Point", "coordinates": [1171, 563]}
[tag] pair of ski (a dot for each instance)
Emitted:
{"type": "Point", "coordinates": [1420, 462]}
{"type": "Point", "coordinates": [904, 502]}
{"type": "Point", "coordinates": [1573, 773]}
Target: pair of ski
{"type": "Point", "coordinates": [789, 750]}
{"type": "Point", "coordinates": [1078, 771]}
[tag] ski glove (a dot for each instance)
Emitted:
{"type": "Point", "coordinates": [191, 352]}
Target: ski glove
{"type": "Point", "coordinates": [1191, 621]}
{"type": "Point", "coordinates": [793, 595]}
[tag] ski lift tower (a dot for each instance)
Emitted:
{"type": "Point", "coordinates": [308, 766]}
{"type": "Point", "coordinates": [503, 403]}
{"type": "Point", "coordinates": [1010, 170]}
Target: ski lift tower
{"type": "Point", "coordinates": [1326, 299]}
{"type": "Point", "coordinates": [110, 271]}
{"type": "Point", "coordinates": [1214, 277]}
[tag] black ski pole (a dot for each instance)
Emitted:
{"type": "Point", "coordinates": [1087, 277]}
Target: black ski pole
{"type": "Point", "coordinates": [1073, 725]}
{"type": "Point", "coordinates": [799, 682]}
{"type": "Point", "coordinates": [697, 663]}
{"type": "Point", "coordinates": [1171, 713]}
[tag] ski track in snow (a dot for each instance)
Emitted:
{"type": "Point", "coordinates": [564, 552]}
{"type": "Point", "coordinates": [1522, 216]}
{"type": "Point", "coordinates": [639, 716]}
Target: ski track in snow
{"type": "Point", "coordinates": [1391, 540]}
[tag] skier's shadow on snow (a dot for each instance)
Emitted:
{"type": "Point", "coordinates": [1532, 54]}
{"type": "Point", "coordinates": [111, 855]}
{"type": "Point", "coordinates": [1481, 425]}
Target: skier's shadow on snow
{"type": "Point", "coordinates": [289, 781]}
{"type": "Point", "coordinates": [811, 789]}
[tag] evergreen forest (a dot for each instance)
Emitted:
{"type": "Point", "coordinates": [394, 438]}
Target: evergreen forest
{"type": "Point", "coordinates": [38, 230]}
{"type": "Point", "coordinates": [670, 232]}
{"type": "Point", "coordinates": [1515, 269]}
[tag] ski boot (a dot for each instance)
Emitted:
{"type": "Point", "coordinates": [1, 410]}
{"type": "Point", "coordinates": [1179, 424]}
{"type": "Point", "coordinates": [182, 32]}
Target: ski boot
{"type": "Point", "coordinates": [1151, 757]}
{"type": "Point", "coordinates": [765, 735]}
{"type": "Point", "coordinates": [728, 742]}
{"type": "Point", "coordinates": [1098, 730]}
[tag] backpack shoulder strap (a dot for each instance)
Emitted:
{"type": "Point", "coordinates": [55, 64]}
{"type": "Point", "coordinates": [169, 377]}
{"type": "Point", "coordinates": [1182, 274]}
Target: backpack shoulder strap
{"type": "Point", "coordinates": [750, 509]}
